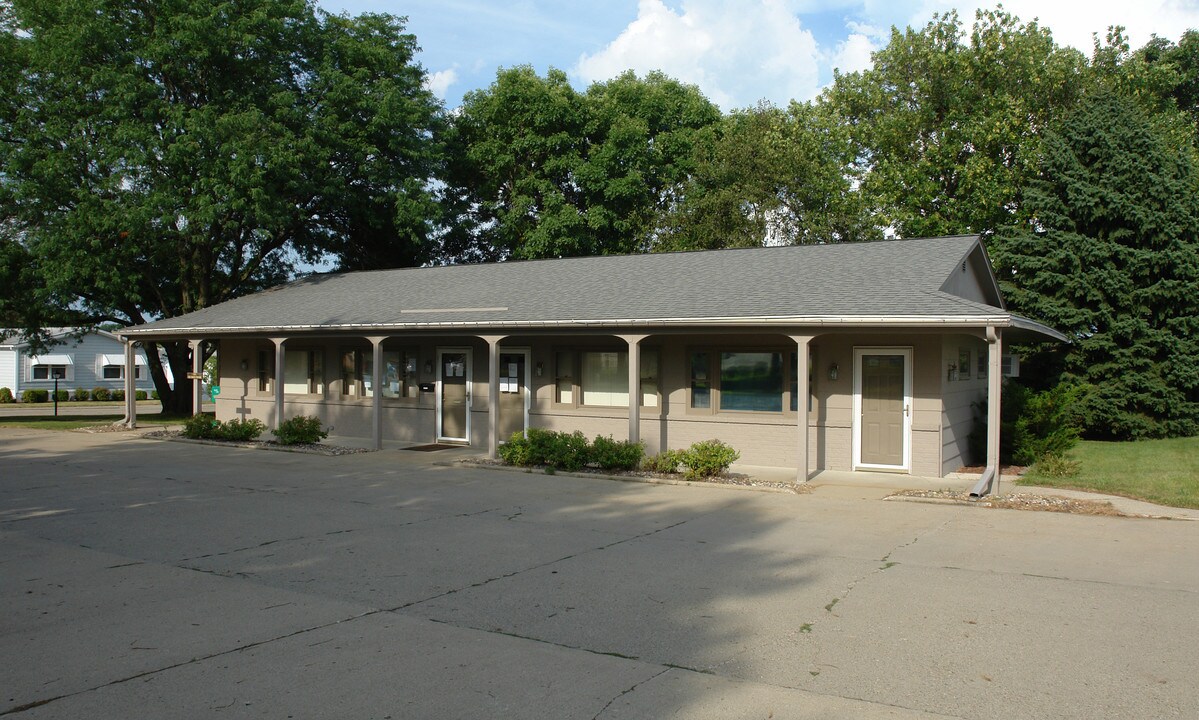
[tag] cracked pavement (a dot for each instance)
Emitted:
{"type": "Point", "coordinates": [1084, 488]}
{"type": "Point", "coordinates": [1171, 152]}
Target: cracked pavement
{"type": "Point", "coordinates": [157, 579]}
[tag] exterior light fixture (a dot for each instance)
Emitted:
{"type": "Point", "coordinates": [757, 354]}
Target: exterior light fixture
{"type": "Point", "coordinates": [832, 371]}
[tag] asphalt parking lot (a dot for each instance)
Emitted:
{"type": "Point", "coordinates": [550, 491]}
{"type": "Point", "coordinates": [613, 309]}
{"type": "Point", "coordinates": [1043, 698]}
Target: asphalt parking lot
{"type": "Point", "coordinates": [144, 578]}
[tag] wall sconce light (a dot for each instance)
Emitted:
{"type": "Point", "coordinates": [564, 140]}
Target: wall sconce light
{"type": "Point", "coordinates": [539, 369]}
{"type": "Point", "coordinates": [832, 371]}
{"type": "Point", "coordinates": [245, 364]}
{"type": "Point", "coordinates": [428, 367]}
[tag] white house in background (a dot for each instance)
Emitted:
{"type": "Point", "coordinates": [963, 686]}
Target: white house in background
{"type": "Point", "coordinates": [95, 360]}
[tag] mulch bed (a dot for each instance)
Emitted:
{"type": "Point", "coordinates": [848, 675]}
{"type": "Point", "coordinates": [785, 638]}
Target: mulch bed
{"type": "Point", "coordinates": [1019, 501]}
{"type": "Point", "coordinates": [735, 479]}
{"type": "Point", "coordinates": [310, 448]}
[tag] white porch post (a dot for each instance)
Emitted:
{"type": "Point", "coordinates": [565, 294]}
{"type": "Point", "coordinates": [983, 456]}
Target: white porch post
{"type": "Point", "coordinates": [130, 385]}
{"type": "Point", "coordinates": [994, 401]}
{"type": "Point", "coordinates": [493, 395]}
{"type": "Point", "coordinates": [376, 392]}
{"type": "Point", "coordinates": [802, 392]}
{"type": "Point", "coordinates": [279, 371]}
{"type": "Point", "coordinates": [197, 348]}
{"type": "Point", "coordinates": [634, 342]}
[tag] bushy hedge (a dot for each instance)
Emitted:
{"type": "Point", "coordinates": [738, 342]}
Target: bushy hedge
{"type": "Point", "coordinates": [81, 395]}
{"type": "Point", "coordinates": [572, 451]}
{"type": "Point", "coordinates": [206, 427]}
{"type": "Point", "coordinates": [118, 395]}
{"type": "Point", "coordinates": [6, 395]}
{"type": "Point", "coordinates": [139, 394]}
{"type": "Point", "coordinates": [35, 396]}
{"type": "Point", "coordinates": [62, 395]}
{"type": "Point", "coordinates": [154, 395]}
{"type": "Point", "coordinates": [101, 394]}
{"type": "Point", "coordinates": [1033, 426]}
{"type": "Point", "coordinates": [301, 429]}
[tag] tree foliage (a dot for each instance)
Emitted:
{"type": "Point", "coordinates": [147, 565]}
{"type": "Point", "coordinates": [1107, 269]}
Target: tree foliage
{"type": "Point", "coordinates": [538, 169]}
{"type": "Point", "coordinates": [946, 130]}
{"type": "Point", "coordinates": [1110, 254]}
{"type": "Point", "coordinates": [161, 157]}
{"type": "Point", "coordinates": [769, 175]}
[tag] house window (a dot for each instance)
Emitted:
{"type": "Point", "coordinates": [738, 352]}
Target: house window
{"type": "Point", "coordinates": [751, 380]}
{"type": "Point", "coordinates": [963, 363]}
{"type": "Point", "coordinates": [399, 377]}
{"type": "Point", "coordinates": [117, 372]}
{"type": "Point", "coordinates": [48, 372]}
{"type": "Point", "coordinates": [266, 370]}
{"type": "Point", "coordinates": [352, 381]}
{"type": "Point", "coordinates": [603, 378]}
{"type": "Point", "coordinates": [303, 372]}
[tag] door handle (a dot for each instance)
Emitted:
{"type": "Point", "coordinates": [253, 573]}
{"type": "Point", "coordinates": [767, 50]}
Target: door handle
{"type": "Point", "coordinates": [906, 409]}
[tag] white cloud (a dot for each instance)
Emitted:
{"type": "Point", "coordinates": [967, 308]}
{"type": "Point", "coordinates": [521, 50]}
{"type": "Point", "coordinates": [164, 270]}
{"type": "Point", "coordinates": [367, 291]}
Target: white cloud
{"type": "Point", "coordinates": [439, 82]}
{"type": "Point", "coordinates": [853, 54]}
{"type": "Point", "coordinates": [737, 53]}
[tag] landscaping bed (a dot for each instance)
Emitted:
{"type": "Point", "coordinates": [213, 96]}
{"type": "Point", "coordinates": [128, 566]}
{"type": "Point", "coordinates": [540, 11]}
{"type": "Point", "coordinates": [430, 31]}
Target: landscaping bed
{"type": "Point", "coordinates": [1016, 501]}
{"type": "Point", "coordinates": [310, 448]}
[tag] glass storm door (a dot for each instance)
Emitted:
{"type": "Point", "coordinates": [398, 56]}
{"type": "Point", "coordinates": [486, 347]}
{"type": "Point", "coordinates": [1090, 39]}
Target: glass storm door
{"type": "Point", "coordinates": [514, 393]}
{"type": "Point", "coordinates": [453, 395]}
{"type": "Point", "coordinates": [883, 407]}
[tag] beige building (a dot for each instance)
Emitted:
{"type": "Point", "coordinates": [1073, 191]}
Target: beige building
{"type": "Point", "coordinates": [851, 356]}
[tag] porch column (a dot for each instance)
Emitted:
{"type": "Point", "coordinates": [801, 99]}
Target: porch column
{"type": "Point", "coordinates": [197, 348]}
{"type": "Point", "coordinates": [130, 385]}
{"type": "Point", "coordinates": [802, 392]}
{"type": "Point", "coordinates": [493, 395]}
{"type": "Point", "coordinates": [279, 372]}
{"type": "Point", "coordinates": [376, 392]}
{"type": "Point", "coordinates": [994, 402]}
{"type": "Point", "coordinates": [634, 342]}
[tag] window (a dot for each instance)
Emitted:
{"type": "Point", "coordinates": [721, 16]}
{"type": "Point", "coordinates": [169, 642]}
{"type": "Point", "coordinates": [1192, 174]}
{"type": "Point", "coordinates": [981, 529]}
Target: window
{"type": "Point", "coordinates": [303, 372]}
{"type": "Point", "coordinates": [603, 378]}
{"type": "Point", "coordinates": [266, 370]}
{"type": "Point", "coordinates": [963, 363]}
{"type": "Point", "coordinates": [48, 372]}
{"type": "Point", "coordinates": [400, 380]}
{"type": "Point", "coordinates": [352, 381]}
{"type": "Point", "coordinates": [117, 372]}
{"type": "Point", "coordinates": [793, 370]}
{"type": "Point", "coordinates": [749, 380]}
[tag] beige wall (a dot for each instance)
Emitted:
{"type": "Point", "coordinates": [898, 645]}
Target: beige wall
{"type": "Point", "coordinates": [761, 438]}
{"type": "Point", "coordinates": [959, 395]}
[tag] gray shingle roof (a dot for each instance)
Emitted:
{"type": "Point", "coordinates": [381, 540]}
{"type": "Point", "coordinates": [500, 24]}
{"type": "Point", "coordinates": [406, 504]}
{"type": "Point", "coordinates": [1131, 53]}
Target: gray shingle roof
{"type": "Point", "coordinates": [900, 278]}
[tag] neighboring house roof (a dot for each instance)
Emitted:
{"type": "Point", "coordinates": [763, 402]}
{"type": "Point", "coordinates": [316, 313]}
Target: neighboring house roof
{"type": "Point", "coordinates": [10, 339]}
{"type": "Point", "coordinates": [897, 281]}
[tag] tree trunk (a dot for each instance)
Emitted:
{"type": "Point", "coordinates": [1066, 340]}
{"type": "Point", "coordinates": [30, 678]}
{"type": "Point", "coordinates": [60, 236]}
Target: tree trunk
{"type": "Point", "coordinates": [177, 400]}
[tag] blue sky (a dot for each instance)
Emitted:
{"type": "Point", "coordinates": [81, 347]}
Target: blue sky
{"type": "Point", "coordinates": [737, 52]}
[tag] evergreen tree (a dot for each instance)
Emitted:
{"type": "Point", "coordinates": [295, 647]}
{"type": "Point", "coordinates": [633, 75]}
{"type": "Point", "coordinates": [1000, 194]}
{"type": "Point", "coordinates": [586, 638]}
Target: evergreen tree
{"type": "Point", "coordinates": [1109, 256]}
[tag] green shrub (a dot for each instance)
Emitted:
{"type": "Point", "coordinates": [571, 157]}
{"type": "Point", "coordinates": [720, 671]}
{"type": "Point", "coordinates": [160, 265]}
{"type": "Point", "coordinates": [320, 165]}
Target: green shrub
{"type": "Point", "coordinates": [5, 395]}
{"type": "Point", "coordinates": [1031, 424]}
{"type": "Point", "coordinates": [201, 427]}
{"type": "Point", "coordinates": [1057, 465]}
{"type": "Point", "coordinates": [569, 451]}
{"type": "Point", "coordinates": [81, 395]}
{"type": "Point", "coordinates": [35, 396]}
{"type": "Point", "coordinates": [154, 395]}
{"type": "Point", "coordinates": [139, 394]}
{"type": "Point", "coordinates": [301, 429]}
{"type": "Point", "coordinates": [517, 450]}
{"type": "Point", "coordinates": [708, 458]}
{"type": "Point", "coordinates": [118, 395]}
{"type": "Point", "coordinates": [612, 454]}
{"type": "Point", "coordinates": [101, 394]}
{"type": "Point", "coordinates": [240, 430]}
{"type": "Point", "coordinates": [541, 445]}
{"type": "Point", "coordinates": [62, 395]}
{"type": "Point", "coordinates": [667, 461]}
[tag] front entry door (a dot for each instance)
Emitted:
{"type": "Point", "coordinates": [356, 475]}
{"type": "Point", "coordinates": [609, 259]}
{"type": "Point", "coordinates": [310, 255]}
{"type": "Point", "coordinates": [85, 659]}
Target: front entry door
{"type": "Point", "coordinates": [453, 394]}
{"type": "Point", "coordinates": [883, 407]}
{"type": "Point", "coordinates": [514, 392]}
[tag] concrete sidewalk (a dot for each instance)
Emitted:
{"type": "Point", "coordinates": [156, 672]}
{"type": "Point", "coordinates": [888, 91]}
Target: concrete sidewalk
{"type": "Point", "coordinates": [157, 579]}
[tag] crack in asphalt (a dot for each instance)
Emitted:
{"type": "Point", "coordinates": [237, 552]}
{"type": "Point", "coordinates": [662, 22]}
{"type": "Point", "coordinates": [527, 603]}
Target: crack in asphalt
{"type": "Point", "coordinates": [628, 690]}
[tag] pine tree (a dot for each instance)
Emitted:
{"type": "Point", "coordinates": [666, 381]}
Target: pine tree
{"type": "Point", "coordinates": [1110, 257]}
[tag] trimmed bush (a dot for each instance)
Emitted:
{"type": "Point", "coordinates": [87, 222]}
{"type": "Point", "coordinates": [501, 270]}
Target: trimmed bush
{"type": "Point", "coordinates": [35, 396]}
{"type": "Point", "coordinates": [240, 430]}
{"type": "Point", "coordinates": [154, 395]}
{"type": "Point", "coordinates": [517, 451]}
{"type": "Point", "coordinates": [118, 395]}
{"type": "Point", "coordinates": [101, 394]}
{"type": "Point", "coordinates": [667, 461]}
{"type": "Point", "coordinates": [301, 429]}
{"type": "Point", "coordinates": [1032, 425]}
{"type": "Point", "coordinates": [708, 458]}
{"type": "Point", "coordinates": [612, 454]}
{"type": "Point", "coordinates": [569, 452]}
{"type": "Point", "coordinates": [62, 395]}
{"type": "Point", "coordinates": [139, 394]}
{"type": "Point", "coordinates": [6, 395]}
{"type": "Point", "coordinates": [201, 427]}
{"type": "Point", "coordinates": [81, 395]}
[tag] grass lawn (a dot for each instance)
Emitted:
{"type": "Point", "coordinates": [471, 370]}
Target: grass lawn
{"type": "Point", "coordinates": [1160, 471]}
{"type": "Point", "coordinates": [74, 422]}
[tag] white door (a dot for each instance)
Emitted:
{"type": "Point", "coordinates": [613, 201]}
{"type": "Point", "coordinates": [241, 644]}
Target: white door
{"type": "Point", "coordinates": [882, 408]}
{"type": "Point", "coordinates": [453, 394]}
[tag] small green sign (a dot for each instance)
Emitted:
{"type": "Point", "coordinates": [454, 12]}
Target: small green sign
{"type": "Point", "coordinates": [215, 390]}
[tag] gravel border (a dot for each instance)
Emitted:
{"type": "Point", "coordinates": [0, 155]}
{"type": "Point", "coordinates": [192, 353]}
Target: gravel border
{"type": "Point", "coordinates": [308, 448]}
{"type": "Point", "coordinates": [1013, 501]}
{"type": "Point", "coordinates": [731, 480]}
